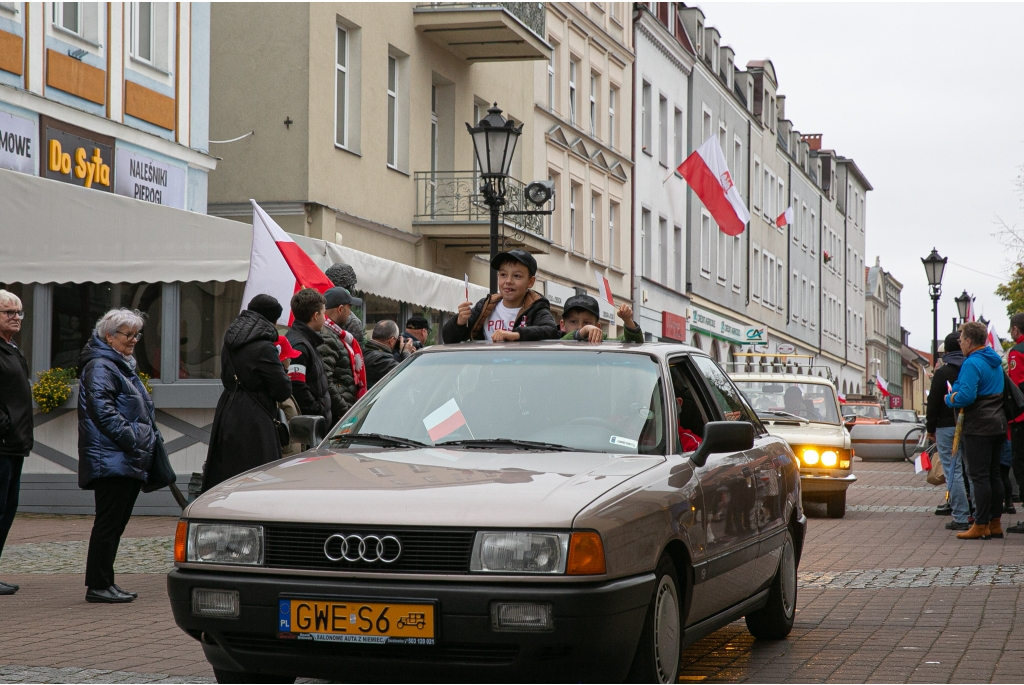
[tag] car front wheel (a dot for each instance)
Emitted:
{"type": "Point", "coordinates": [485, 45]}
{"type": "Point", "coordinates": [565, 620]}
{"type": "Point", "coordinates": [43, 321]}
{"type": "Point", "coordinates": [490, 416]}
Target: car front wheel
{"type": "Point", "coordinates": [657, 655]}
{"type": "Point", "coordinates": [775, 620]}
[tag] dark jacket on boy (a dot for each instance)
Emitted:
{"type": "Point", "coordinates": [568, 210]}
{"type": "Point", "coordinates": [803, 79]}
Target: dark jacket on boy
{"type": "Point", "coordinates": [533, 322]}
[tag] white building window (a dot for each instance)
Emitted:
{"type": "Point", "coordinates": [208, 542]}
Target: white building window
{"type": "Point", "coordinates": [755, 273]}
{"type": "Point", "coordinates": [705, 244]}
{"type": "Point", "coordinates": [738, 171]}
{"type": "Point", "coordinates": [663, 130]}
{"type": "Point", "coordinates": [613, 211]}
{"type": "Point", "coordinates": [781, 199]}
{"type": "Point", "coordinates": [794, 294]}
{"type": "Point", "coordinates": [142, 31]}
{"type": "Point", "coordinates": [341, 89]}
{"type": "Point", "coordinates": [646, 238]}
{"type": "Point", "coordinates": [594, 200]}
{"type": "Point", "coordinates": [433, 130]}
{"type": "Point", "coordinates": [572, 216]}
{"type": "Point", "coordinates": [663, 249]}
{"type": "Point", "coordinates": [812, 315]}
{"type": "Point", "coordinates": [705, 125]}
{"type": "Point", "coordinates": [593, 105]}
{"type": "Point", "coordinates": [680, 141]}
{"type": "Point", "coordinates": [737, 263]}
{"type": "Point", "coordinates": [573, 74]}
{"type": "Point", "coordinates": [68, 16]}
{"type": "Point", "coordinates": [756, 190]}
{"type": "Point", "coordinates": [722, 258]}
{"type": "Point", "coordinates": [612, 96]}
{"type": "Point", "coordinates": [551, 78]}
{"type": "Point", "coordinates": [645, 118]}
{"type": "Point", "coordinates": [677, 258]}
{"type": "Point", "coordinates": [780, 283]}
{"type": "Point", "coordinates": [392, 111]}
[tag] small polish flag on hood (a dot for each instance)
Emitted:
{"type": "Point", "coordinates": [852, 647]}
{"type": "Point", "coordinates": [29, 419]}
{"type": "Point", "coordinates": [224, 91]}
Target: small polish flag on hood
{"type": "Point", "coordinates": [444, 420]}
{"type": "Point", "coordinates": [604, 289]}
{"type": "Point", "coordinates": [707, 173]}
{"type": "Point", "coordinates": [278, 266]}
{"type": "Point", "coordinates": [842, 398]}
{"type": "Point", "coordinates": [883, 387]}
{"type": "Point", "coordinates": [785, 219]}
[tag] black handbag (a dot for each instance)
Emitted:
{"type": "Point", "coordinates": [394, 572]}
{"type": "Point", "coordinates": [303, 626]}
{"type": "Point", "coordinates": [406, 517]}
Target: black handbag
{"type": "Point", "coordinates": [160, 474]}
{"type": "Point", "coordinates": [1013, 399]}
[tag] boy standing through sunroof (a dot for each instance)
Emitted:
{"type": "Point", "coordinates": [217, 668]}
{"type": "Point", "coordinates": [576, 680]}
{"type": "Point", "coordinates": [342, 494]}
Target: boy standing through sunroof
{"type": "Point", "coordinates": [515, 312]}
{"type": "Point", "coordinates": [580, 321]}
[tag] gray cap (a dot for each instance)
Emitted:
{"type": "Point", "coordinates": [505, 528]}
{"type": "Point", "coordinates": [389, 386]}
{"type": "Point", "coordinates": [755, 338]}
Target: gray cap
{"type": "Point", "coordinates": [338, 296]}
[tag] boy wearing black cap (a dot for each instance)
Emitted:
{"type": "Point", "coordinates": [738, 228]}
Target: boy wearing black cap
{"type": "Point", "coordinates": [580, 317]}
{"type": "Point", "coordinates": [515, 312]}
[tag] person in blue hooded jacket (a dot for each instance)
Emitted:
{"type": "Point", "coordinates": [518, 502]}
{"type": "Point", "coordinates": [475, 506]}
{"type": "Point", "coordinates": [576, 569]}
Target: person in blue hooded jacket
{"type": "Point", "coordinates": [117, 437]}
{"type": "Point", "coordinates": [978, 393]}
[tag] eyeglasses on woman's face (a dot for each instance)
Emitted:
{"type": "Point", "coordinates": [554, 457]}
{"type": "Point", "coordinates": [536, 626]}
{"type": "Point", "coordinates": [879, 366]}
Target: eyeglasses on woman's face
{"type": "Point", "coordinates": [130, 336]}
{"type": "Point", "coordinates": [13, 313]}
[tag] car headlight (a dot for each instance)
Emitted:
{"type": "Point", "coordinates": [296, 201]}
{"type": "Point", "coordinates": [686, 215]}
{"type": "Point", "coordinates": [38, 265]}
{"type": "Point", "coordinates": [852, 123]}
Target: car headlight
{"type": "Point", "coordinates": [520, 552]}
{"type": "Point", "coordinates": [225, 543]}
{"type": "Point", "coordinates": [823, 457]}
{"type": "Point", "coordinates": [829, 458]}
{"type": "Point", "coordinates": [810, 456]}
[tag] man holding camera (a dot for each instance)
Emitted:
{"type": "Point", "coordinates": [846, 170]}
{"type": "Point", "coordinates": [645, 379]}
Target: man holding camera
{"type": "Point", "coordinates": [382, 349]}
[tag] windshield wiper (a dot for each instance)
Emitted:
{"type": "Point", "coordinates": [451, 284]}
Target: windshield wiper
{"type": "Point", "coordinates": [377, 438]}
{"type": "Point", "coordinates": [509, 442]}
{"type": "Point", "coordinates": [784, 414]}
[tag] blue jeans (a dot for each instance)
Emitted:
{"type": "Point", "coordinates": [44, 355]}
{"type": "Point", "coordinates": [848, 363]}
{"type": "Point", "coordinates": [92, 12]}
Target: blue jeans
{"type": "Point", "coordinates": [952, 466]}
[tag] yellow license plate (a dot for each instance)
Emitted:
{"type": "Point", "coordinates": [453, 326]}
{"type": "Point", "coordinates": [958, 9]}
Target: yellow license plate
{"type": "Point", "coordinates": [354, 621]}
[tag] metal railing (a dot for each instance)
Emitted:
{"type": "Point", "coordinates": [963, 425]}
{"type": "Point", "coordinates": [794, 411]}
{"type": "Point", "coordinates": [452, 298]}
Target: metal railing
{"type": "Point", "coordinates": [456, 197]}
{"type": "Point", "coordinates": [530, 13]}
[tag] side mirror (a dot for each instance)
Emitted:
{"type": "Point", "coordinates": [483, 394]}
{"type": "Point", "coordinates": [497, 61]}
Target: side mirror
{"type": "Point", "coordinates": [849, 421]}
{"type": "Point", "coordinates": [723, 436]}
{"type": "Point", "coordinates": [307, 430]}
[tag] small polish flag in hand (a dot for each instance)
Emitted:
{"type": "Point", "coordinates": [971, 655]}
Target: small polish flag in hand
{"type": "Point", "coordinates": [922, 463]}
{"type": "Point", "coordinates": [444, 420]}
{"type": "Point", "coordinates": [604, 289]}
{"type": "Point", "coordinates": [785, 219]}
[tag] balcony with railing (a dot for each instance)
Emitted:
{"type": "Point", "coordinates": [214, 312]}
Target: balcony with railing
{"type": "Point", "coordinates": [450, 209]}
{"type": "Point", "coordinates": [486, 31]}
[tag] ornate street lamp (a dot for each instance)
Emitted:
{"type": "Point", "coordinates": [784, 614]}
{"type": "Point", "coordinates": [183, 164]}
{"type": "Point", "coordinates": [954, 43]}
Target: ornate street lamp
{"type": "Point", "coordinates": [963, 303]}
{"type": "Point", "coordinates": [934, 265]}
{"type": "Point", "coordinates": [494, 143]}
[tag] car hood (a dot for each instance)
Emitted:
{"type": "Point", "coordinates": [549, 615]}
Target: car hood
{"type": "Point", "coordinates": [811, 434]}
{"type": "Point", "coordinates": [423, 487]}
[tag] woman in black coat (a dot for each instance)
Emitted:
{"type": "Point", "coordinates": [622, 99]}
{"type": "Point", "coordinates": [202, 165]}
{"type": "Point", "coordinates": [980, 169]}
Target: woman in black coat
{"type": "Point", "coordinates": [243, 435]}
{"type": "Point", "coordinates": [117, 436]}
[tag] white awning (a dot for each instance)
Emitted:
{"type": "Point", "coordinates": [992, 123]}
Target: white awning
{"type": "Point", "coordinates": [53, 232]}
{"type": "Point", "coordinates": [393, 280]}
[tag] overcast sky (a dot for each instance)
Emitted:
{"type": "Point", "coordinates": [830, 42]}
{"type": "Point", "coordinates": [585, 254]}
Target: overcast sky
{"type": "Point", "coordinates": [929, 101]}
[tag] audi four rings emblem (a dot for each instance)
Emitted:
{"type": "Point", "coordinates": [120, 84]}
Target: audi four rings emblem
{"type": "Point", "coordinates": [368, 548]}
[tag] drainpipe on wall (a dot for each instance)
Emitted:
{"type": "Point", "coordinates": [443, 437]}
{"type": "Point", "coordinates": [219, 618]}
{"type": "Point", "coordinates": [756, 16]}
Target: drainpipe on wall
{"type": "Point", "coordinates": [750, 138]}
{"type": "Point", "coordinates": [637, 296]}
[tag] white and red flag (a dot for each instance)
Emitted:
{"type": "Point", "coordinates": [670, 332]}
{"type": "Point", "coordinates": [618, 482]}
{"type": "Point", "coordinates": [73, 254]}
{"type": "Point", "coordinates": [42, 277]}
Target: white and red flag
{"type": "Point", "coordinates": [842, 398]}
{"type": "Point", "coordinates": [444, 420]}
{"type": "Point", "coordinates": [883, 387]}
{"type": "Point", "coordinates": [993, 339]}
{"type": "Point", "coordinates": [707, 173]}
{"type": "Point", "coordinates": [278, 266]}
{"type": "Point", "coordinates": [785, 219]}
{"type": "Point", "coordinates": [604, 288]}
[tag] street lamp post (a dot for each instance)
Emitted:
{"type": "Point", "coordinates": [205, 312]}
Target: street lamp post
{"type": "Point", "coordinates": [934, 265]}
{"type": "Point", "coordinates": [963, 304]}
{"type": "Point", "coordinates": [494, 142]}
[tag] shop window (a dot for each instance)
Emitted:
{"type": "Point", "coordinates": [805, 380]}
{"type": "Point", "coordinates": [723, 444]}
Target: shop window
{"type": "Point", "coordinates": [207, 309]}
{"type": "Point", "coordinates": [78, 306]}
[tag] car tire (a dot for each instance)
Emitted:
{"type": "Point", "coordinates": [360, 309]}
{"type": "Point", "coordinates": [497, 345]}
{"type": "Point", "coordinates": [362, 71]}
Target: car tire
{"type": "Point", "coordinates": [658, 655]}
{"type": "Point", "coordinates": [775, 620]}
{"type": "Point", "coordinates": [223, 676]}
{"type": "Point", "coordinates": [835, 505]}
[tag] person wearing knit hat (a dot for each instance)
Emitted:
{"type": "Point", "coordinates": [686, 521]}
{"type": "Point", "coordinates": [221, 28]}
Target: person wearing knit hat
{"type": "Point", "coordinates": [268, 306]}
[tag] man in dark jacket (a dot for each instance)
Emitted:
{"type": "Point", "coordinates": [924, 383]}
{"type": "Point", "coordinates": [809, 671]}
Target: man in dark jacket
{"type": "Point", "coordinates": [417, 330]}
{"type": "Point", "coordinates": [344, 276]}
{"type": "Point", "coordinates": [381, 349]}
{"type": "Point", "coordinates": [515, 312]}
{"type": "Point", "coordinates": [978, 392]}
{"type": "Point", "coordinates": [244, 435]}
{"type": "Point", "coordinates": [940, 424]}
{"type": "Point", "coordinates": [310, 386]}
{"type": "Point", "coordinates": [336, 354]}
{"type": "Point", "coordinates": [15, 416]}
{"type": "Point", "coordinates": [1015, 369]}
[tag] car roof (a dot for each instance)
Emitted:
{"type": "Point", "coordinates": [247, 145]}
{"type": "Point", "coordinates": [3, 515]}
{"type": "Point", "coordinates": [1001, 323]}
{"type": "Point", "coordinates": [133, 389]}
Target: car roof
{"type": "Point", "coordinates": [780, 378]}
{"type": "Point", "coordinates": [657, 349]}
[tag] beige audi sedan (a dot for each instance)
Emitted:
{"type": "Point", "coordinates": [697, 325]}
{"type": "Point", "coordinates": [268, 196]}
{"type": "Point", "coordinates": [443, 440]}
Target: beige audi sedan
{"type": "Point", "coordinates": [502, 512]}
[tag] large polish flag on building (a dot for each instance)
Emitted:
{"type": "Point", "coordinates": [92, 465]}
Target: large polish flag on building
{"type": "Point", "coordinates": [785, 219]}
{"type": "Point", "coordinates": [883, 387]}
{"type": "Point", "coordinates": [278, 266]}
{"type": "Point", "coordinates": [707, 173]}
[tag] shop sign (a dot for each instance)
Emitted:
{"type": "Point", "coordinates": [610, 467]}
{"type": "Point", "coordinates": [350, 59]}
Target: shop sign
{"type": "Point", "coordinates": [673, 326]}
{"type": "Point", "coordinates": [77, 156]}
{"type": "Point", "coordinates": [895, 402]}
{"type": "Point", "coordinates": [718, 326]}
{"type": "Point", "coordinates": [756, 335]}
{"type": "Point", "coordinates": [785, 348]}
{"type": "Point", "coordinates": [557, 294]}
{"type": "Point", "coordinates": [18, 143]}
{"type": "Point", "coordinates": [149, 180]}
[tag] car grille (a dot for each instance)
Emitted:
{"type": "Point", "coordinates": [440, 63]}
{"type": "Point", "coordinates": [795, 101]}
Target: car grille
{"type": "Point", "coordinates": [423, 551]}
{"type": "Point", "coordinates": [496, 654]}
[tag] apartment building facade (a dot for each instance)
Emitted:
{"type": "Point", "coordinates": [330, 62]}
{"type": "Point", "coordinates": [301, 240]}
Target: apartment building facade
{"type": "Point", "coordinates": [884, 333]}
{"type": "Point", "coordinates": [104, 167]}
{"type": "Point", "coordinates": [362, 108]}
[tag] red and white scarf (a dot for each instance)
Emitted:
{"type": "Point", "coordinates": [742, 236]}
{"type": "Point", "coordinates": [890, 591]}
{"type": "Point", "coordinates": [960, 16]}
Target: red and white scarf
{"type": "Point", "coordinates": [355, 356]}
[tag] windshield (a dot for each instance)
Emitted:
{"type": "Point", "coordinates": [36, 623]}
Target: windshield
{"type": "Point", "coordinates": [904, 415]}
{"type": "Point", "coordinates": [774, 399]}
{"type": "Point", "coordinates": [592, 401]}
{"type": "Point", "coordinates": [868, 411]}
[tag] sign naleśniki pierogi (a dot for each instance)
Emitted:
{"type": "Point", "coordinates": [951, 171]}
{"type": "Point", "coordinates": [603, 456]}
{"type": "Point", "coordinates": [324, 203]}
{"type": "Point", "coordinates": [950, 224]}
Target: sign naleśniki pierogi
{"type": "Point", "coordinates": [149, 180]}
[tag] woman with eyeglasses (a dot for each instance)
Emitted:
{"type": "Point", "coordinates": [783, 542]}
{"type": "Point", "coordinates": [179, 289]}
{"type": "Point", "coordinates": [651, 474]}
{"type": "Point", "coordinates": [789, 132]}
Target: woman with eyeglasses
{"type": "Point", "coordinates": [15, 417]}
{"type": "Point", "coordinates": [117, 436]}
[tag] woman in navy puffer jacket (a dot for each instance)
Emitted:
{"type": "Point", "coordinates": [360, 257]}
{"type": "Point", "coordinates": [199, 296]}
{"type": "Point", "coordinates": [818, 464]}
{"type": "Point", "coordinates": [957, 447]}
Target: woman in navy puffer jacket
{"type": "Point", "coordinates": [117, 436]}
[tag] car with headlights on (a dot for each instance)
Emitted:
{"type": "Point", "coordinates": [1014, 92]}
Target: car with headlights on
{"type": "Point", "coordinates": [501, 512]}
{"type": "Point", "coordinates": [803, 410]}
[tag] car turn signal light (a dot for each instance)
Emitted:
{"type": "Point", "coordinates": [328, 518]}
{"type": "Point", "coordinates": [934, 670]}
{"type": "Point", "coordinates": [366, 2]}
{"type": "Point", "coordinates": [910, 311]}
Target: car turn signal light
{"type": "Point", "coordinates": [179, 541]}
{"type": "Point", "coordinates": [586, 555]}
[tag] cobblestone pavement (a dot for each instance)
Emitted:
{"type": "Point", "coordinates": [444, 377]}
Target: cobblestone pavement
{"type": "Point", "coordinates": [886, 595]}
